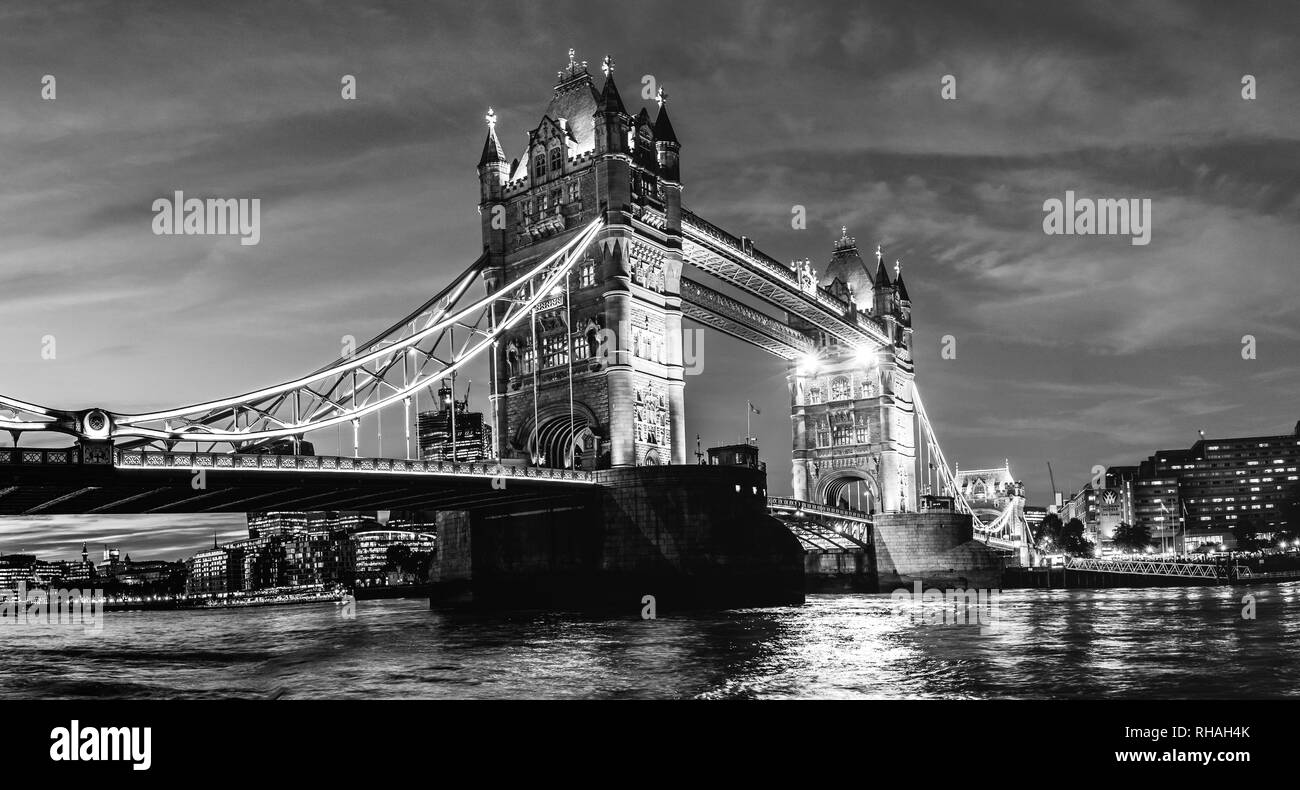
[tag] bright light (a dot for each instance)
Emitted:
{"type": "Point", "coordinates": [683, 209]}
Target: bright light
{"type": "Point", "coordinates": [808, 364]}
{"type": "Point", "coordinates": [866, 356]}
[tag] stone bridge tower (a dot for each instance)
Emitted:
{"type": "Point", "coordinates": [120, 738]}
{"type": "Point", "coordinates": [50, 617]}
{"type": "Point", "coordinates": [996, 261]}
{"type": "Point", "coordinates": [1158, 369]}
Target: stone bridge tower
{"type": "Point", "coordinates": [852, 410]}
{"type": "Point", "coordinates": [616, 333]}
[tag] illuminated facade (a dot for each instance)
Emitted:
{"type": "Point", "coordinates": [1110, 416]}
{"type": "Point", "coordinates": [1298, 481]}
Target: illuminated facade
{"type": "Point", "coordinates": [615, 331]}
{"type": "Point", "coordinates": [217, 571]}
{"type": "Point", "coordinates": [436, 429]}
{"type": "Point", "coordinates": [853, 410]}
{"type": "Point", "coordinates": [368, 552]}
{"type": "Point", "coordinates": [1218, 488]}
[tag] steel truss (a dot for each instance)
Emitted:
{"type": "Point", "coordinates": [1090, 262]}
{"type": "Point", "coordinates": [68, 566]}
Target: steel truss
{"type": "Point", "coordinates": [433, 342]}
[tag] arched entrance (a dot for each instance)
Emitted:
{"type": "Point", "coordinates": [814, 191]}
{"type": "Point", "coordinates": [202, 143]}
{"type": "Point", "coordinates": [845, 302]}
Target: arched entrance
{"type": "Point", "coordinates": [564, 443]}
{"type": "Point", "coordinates": [854, 490]}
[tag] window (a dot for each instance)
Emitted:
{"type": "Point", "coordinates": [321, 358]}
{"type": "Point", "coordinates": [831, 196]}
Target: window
{"type": "Point", "coordinates": [573, 191]}
{"type": "Point", "coordinates": [842, 434]}
{"type": "Point", "coordinates": [861, 435]}
{"type": "Point", "coordinates": [539, 166]}
{"type": "Point", "coordinates": [840, 389]}
{"type": "Point", "coordinates": [587, 274]}
{"type": "Point", "coordinates": [823, 437]}
{"type": "Point", "coordinates": [815, 395]}
{"type": "Point", "coordinates": [528, 208]}
{"type": "Point", "coordinates": [557, 160]}
{"type": "Point", "coordinates": [554, 352]}
{"type": "Point", "coordinates": [555, 200]}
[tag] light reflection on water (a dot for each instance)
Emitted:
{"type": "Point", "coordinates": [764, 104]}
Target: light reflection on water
{"type": "Point", "coordinates": [1158, 643]}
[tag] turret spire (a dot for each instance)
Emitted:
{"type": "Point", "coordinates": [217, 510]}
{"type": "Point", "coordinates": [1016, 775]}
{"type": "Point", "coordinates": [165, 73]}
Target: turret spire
{"type": "Point", "coordinates": [492, 153]}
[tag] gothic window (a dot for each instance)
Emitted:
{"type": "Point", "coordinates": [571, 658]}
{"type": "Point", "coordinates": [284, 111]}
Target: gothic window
{"type": "Point", "coordinates": [530, 359]}
{"type": "Point", "coordinates": [539, 167]}
{"type": "Point", "coordinates": [528, 208]}
{"type": "Point", "coordinates": [823, 437]}
{"type": "Point", "coordinates": [587, 274]}
{"type": "Point", "coordinates": [815, 395]}
{"type": "Point", "coordinates": [554, 352]}
{"type": "Point", "coordinates": [557, 159]}
{"type": "Point", "coordinates": [861, 434]}
{"type": "Point", "coordinates": [841, 435]}
{"type": "Point", "coordinates": [573, 191]}
{"type": "Point", "coordinates": [840, 389]}
{"type": "Point", "coordinates": [555, 200]}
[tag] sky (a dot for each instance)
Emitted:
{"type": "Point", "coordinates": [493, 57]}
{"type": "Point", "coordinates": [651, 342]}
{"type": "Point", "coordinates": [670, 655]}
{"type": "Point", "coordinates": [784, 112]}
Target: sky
{"type": "Point", "coordinates": [1076, 350]}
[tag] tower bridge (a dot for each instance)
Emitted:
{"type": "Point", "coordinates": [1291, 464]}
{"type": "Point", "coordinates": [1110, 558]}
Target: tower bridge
{"type": "Point", "coordinates": [590, 264]}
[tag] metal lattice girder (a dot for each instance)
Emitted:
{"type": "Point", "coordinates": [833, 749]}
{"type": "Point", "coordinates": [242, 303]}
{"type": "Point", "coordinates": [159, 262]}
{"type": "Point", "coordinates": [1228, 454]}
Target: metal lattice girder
{"type": "Point", "coordinates": [1143, 567]}
{"type": "Point", "coordinates": [718, 253]}
{"type": "Point", "coordinates": [435, 341]}
{"type": "Point", "coordinates": [719, 311]}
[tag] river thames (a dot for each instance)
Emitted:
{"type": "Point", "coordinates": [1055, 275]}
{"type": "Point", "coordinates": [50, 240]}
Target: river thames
{"type": "Point", "coordinates": [1169, 643]}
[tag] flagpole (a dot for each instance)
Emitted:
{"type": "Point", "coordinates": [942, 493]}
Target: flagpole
{"type": "Point", "coordinates": [748, 407]}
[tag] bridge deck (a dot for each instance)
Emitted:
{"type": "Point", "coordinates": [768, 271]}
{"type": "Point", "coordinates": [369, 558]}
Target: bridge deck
{"type": "Point", "coordinates": [52, 482]}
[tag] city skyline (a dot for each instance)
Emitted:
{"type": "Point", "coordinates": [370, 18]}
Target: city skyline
{"type": "Point", "coordinates": [1080, 351]}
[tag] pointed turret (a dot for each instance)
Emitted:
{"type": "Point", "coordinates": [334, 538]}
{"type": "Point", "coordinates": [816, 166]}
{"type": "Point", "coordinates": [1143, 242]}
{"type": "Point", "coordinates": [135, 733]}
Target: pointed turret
{"type": "Point", "coordinates": [610, 101]}
{"type": "Point", "coordinates": [882, 276]}
{"type": "Point", "coordinates": [612, 119]}
{"type": "Point", "coordinates": [666, 144]}
{"type": "Point", "coordinates": [902, 289]}
{"type": "Point", "coordinates": [492, 152]}
{"type": "Point", "coordinates": [664, 132]}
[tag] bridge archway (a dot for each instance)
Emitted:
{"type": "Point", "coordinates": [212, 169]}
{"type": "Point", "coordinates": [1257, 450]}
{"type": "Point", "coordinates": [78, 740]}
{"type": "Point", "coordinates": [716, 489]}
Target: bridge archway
{"type": "Point", "coordinates": [851, 488]}
{"type": "Point", "coordinates": [563, 440]}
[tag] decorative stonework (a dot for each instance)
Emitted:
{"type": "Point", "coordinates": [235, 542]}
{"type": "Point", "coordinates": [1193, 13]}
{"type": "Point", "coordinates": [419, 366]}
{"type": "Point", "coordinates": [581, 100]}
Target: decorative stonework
{"type": "Point", "coordinates": [652, 430]}
{"type": "Point", "coordinates": [647, 335]}
{"type": "Point", "coordinates": [646, 265]}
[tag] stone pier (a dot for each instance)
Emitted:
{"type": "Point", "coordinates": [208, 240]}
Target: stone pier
{"type": "Point", "coordinates": [936, 548]}
{"type": "Point", "coordinates": [690, 536]}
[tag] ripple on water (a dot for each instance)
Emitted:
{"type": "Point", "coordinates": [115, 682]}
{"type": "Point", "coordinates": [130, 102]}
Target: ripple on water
{"type": "Point", "coordinates": [1158, 643]}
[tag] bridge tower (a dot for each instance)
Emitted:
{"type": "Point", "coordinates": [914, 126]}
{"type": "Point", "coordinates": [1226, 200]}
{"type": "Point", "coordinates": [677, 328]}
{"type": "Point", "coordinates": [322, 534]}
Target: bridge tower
{"type": "Point", "coordinates": [595, 379]}
{"type": "Point", "coordinates": [853, 413]}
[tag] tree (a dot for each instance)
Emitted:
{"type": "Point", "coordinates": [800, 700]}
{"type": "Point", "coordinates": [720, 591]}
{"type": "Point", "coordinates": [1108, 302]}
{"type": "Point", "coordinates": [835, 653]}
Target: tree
{"type": "Point", "coordinates": [1246, 538]}
{"type": "Point", "coordinates": [1132, 537]}
{"type": "Point", "coordinates": [1071, 540]}
{"type": "Point", "coordinates": [1048, 530]}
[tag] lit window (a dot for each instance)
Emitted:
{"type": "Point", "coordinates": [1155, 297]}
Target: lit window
{"type": "Point", "coordinates": [539, 166]}
{"type": "Point", "coordinates": [557, 160]}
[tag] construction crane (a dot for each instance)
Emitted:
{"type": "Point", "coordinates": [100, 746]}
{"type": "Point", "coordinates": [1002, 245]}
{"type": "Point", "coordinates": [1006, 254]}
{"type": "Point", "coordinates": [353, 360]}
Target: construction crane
{"type": "Point", "coordinates": [1052, 477]}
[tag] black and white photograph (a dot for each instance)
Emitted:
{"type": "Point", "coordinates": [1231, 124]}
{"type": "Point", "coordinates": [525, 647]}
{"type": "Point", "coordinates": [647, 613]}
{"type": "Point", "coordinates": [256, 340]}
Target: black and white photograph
{"type": "Point", "coordinates": [365, 360]}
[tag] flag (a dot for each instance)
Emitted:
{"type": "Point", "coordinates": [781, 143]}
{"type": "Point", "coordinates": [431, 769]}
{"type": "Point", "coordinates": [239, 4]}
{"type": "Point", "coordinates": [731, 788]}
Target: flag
{"type": "Point", "coordinates": [753, 408]}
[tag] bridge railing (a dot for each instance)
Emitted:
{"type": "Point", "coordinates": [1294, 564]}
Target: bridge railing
{"type": "Point", "coordinates": [788, 503]}
{"type": "Point", "coordinates": [32, 455]}
{"type": "Point", "coordinates": [330, 463]}
{"type": "Point", "coordinates": [1143, 567]}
